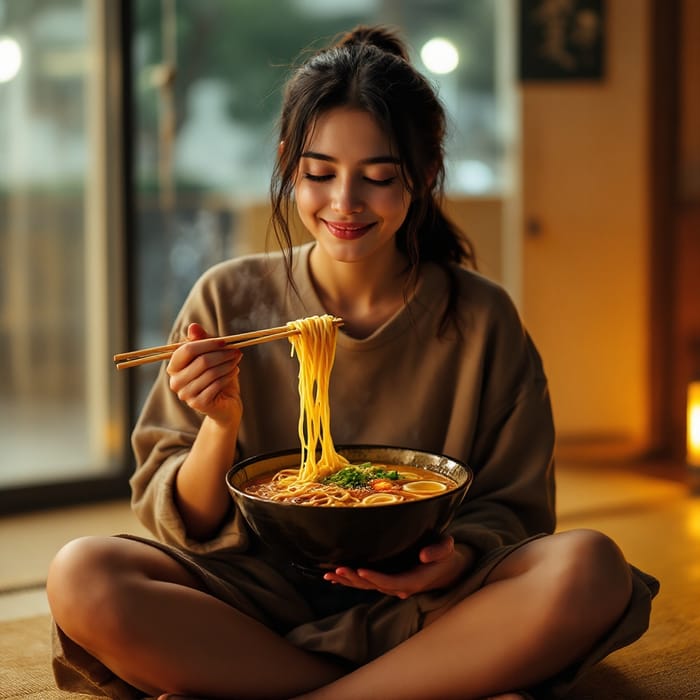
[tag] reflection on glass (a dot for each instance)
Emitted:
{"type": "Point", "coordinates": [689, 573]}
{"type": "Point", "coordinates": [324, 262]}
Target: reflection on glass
{"type": "Point", "coordinates": [56, 403]}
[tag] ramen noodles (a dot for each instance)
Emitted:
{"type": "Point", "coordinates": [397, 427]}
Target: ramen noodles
{"type": "Point", "coordinates": [324, 477]}
{"type": "Point", "coordinates": [314, 345]}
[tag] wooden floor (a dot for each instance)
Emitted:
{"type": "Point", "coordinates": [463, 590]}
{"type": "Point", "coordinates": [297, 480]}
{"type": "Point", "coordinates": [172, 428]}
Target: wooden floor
{"type": "Point", "coordinates": [651, 509]}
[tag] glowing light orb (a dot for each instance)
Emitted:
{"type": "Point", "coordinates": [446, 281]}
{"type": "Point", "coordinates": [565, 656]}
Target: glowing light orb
{"type": "Point", "coordinates": [10, 58]}
{"type": "Point", "coordinates": [440, 56]}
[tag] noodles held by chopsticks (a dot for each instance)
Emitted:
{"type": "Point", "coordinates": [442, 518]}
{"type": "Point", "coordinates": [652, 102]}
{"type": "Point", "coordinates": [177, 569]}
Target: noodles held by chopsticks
{"type": "Point", "coordinates": [314, 345]}
{"type": "Point", "coordinates": [324, 477]}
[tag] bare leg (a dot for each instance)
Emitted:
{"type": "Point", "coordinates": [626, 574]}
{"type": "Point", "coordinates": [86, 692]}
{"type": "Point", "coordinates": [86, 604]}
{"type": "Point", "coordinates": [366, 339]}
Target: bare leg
{"type": "Point", "coordinates": [147, 619]}
{"type": "Point", "coordinates": [543, 607]}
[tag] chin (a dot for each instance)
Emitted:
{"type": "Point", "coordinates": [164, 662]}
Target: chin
{"type": "Point", "coordinates": [345, 251]}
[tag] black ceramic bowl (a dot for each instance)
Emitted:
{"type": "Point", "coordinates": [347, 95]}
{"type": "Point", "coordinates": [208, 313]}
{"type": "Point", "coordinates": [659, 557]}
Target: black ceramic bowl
{"type": "Point", "coordinates": [385, 537]}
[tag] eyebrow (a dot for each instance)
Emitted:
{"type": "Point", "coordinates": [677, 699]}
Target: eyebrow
{"type": "Point", "coordinates": [366, 161]}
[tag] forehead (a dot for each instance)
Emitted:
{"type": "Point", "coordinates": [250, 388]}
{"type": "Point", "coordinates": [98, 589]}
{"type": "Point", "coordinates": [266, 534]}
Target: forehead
{"type": "Point", "coordinates": [348, 133]}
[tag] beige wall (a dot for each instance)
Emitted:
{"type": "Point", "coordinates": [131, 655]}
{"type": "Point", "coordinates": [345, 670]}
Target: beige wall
{"type": "Point", "coordinates": [585, 276]}
{"type": "Point", "coordinates": [481, 218]}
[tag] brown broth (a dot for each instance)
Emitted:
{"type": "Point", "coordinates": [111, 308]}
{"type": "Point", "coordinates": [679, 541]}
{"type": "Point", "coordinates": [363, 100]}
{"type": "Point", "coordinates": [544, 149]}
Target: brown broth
{"type": "Point", "coordinates": [417, 479]}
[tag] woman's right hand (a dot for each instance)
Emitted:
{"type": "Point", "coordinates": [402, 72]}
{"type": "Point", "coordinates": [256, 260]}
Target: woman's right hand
{"type": "Point", "coordinates": [204, 374]}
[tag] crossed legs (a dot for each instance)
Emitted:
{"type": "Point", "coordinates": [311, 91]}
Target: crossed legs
{"type": "Point", "coordinates": [147, 618]}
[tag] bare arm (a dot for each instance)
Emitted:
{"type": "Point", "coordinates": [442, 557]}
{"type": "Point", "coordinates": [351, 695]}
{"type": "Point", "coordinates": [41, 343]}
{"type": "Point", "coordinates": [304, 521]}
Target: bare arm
{"type": "Point", "coordinates": [204, 375]}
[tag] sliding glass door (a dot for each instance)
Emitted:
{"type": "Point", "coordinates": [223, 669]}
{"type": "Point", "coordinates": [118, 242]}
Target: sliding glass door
{"type": "Point", "coordinates": [62, 407]}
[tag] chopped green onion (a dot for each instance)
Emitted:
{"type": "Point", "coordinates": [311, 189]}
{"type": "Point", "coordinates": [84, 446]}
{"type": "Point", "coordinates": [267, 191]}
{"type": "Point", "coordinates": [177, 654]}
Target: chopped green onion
{"type": "Point", "coordinates": [359, 475]}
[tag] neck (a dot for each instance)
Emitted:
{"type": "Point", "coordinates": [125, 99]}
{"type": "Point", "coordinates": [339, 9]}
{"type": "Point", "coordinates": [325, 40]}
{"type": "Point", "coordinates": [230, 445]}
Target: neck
{"type": "Point", "coordinates": [365, 294]}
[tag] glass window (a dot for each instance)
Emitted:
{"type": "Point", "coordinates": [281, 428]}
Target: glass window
{"type": "Point", "coordinates": [61, 408]}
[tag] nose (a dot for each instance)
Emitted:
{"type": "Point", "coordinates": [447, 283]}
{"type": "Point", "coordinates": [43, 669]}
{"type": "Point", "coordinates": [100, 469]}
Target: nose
{"type": "Point", "coordinates": [346, 197]}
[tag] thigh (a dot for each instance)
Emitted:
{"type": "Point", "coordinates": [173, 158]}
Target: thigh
{"type": "Point", "coordinates": [522, 559]}
{"type": "Point", "coordinates": [154, 562]}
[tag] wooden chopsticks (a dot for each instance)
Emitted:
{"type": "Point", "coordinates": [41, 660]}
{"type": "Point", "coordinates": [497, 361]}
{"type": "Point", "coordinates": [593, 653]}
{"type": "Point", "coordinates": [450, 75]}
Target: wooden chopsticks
{"type": "Point", "coordinates": [134, 358]}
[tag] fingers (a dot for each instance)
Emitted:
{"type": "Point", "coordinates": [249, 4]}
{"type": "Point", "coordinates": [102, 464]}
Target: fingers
{"type": "Point", "coordinates": [193, 370]}
{"type": "Point", "coordinates": [438, 550]}
{"type": "Point", "coordinates": [196, 332]}
{"type": "Point", "coordinates": [186, 354]}
{"type": "Point", "coordinates": [203, 391]}
{"type": "Point", "coordinates": [204, 373]}
{"type": "Point", "coordinates": [439, 563]}
{"type": "Point", "coordinates": [366, 579]}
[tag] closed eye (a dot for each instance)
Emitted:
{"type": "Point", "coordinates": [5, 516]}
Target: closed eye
{"type": "Point", "coordinates": [381, 183]}
{"type": "Point", "coordinates": [372, 181]}
{"type": "Point", "coordinates": [317, 178]}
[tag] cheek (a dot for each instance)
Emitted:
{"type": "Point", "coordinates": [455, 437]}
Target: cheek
{"type": "Point", "coordinates": [394, 205]}
{"type": "Point", "coordinates": [308, 200]}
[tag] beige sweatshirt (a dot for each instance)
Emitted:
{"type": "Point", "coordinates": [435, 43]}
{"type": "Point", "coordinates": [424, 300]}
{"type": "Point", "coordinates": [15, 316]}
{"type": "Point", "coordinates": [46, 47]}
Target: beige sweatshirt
{"type": "Point", "coordinates": [479, 396]}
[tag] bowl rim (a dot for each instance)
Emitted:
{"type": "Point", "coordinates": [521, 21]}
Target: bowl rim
{"type": "Point", "coordinates": [339, 448]}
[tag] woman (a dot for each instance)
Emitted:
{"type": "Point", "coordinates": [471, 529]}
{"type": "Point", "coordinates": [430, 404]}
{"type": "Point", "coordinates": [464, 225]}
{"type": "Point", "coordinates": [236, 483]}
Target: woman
{"type": "Point", "coordinates": [431, 356]}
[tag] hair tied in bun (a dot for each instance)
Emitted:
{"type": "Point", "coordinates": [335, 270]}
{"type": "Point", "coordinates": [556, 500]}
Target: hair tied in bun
{"type": "Point", "coordinates": [383, 38]}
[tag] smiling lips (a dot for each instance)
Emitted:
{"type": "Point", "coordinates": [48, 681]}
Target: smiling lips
{"type": "Point", "coordinates": [347, 231]}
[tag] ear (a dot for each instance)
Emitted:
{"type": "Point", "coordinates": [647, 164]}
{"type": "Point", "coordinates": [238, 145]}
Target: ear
{"type": "Point", "coordinates": [280, 148]}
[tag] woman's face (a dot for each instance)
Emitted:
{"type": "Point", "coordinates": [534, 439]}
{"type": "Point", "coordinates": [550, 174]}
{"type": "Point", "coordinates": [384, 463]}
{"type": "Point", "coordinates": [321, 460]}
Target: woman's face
{"type": "Point", "coordinates": [349, 191]}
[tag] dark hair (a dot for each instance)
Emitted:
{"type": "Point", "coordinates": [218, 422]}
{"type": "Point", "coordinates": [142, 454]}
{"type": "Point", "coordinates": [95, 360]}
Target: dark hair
{"type": "Point", "coordinates": [368, 68]}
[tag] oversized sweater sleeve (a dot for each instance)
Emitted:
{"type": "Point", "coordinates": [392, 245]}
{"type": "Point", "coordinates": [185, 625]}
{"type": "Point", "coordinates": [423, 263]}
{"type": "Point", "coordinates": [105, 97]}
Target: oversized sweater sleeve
{"type": "Point", "coordinates": [511, 452]}
{"type": "Point", "coordinates": [163, 436]}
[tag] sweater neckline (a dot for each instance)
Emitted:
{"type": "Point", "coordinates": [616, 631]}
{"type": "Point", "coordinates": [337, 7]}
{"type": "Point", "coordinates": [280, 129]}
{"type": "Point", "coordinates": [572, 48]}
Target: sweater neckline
{"type": "Point", "coordinates": [428, 299]}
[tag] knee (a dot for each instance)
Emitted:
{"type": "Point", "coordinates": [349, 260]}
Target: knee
{"type": "Point", "coordinates": [78, 585]}
{"type": "Point", "coordinates": [593, 574]}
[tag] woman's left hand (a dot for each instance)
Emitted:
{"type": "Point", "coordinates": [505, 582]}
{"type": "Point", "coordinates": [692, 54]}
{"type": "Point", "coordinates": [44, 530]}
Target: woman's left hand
{"type": "Point", "coordinates": [441, 564]}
